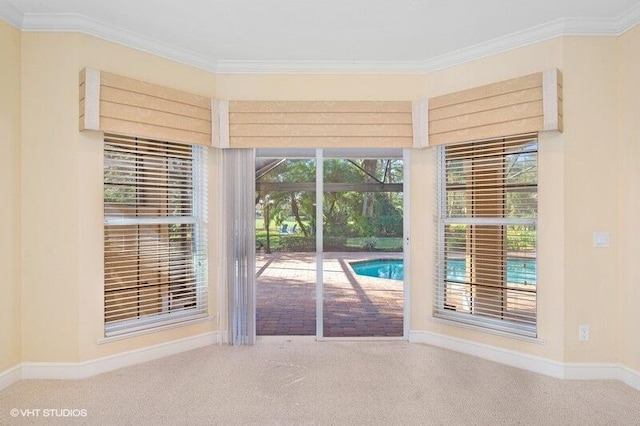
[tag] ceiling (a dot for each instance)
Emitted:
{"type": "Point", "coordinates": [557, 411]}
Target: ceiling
{"type": "Point", "coordinates": [324, 35]}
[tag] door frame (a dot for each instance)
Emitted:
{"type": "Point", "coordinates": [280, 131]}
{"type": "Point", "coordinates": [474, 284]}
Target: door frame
{"type": "Point", "coordinates": [319, 156]}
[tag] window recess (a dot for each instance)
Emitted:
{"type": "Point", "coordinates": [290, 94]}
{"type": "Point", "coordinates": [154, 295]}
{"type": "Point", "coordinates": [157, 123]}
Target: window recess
{"type": "Point", "coordinates": [486, 268]}
{"type": "Point", "coordinates": [155, 233]}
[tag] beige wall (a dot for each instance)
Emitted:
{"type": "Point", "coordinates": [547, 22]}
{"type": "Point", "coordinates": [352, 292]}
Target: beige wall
{"type": "Point", "coordinates": [62, 180]}
{"type": "Point", "coordinates": [411, 87]}
{"type": "Point", "coordinates": [581, 191]}
{"type": "Point", "coordinates": [578, 284]}
{"type": "Point", "coordinates": [629, 191]}
{"type": "Point", "coordinates": [504, 66]}
{"type": "Point", "coordinates": [320, 87]}
{"type": "Point", "coordinates": [551, 163]}
{"type": "Point", "coordinates": [591, 200]}
{"type": "Point", "coordinates": [10, 325]}
{"type": "Point", "coordinates": [50, 200]}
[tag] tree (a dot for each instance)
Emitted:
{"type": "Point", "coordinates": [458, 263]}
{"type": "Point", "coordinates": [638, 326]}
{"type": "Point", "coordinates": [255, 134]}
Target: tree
{"type": "Point", "coordinates": [370, 167]}
{"type": "Point", "coordinates": [295, 211]}
{"type": "Point", "coordinates": [348, 213]}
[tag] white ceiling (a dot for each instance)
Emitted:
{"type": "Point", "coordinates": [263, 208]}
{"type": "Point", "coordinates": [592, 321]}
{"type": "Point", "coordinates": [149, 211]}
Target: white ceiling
{"type": "Point", "coordinates": [324, 35]}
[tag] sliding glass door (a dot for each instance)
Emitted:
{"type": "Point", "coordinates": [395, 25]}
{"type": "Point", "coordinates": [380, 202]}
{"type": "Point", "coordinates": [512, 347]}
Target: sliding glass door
{"type": "Point", "coordinates": [362, 247]}
{"type": "Point", "coordinates": [285, 219]}
{"type": "Point", "coordinates": [329, 243]}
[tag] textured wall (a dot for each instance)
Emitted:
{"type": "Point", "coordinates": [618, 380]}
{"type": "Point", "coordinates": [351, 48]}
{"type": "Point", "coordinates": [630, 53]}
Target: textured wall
{"type": "Point", "coordinates": [10, 347]}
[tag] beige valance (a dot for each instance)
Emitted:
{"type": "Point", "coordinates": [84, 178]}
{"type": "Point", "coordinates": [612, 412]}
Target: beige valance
{"type": "Point", "coordinates": [116, 104]}
{"type": "Point", "coordinates": [321, 124]}
{"type": "Point", "coordinates": [526, 104]}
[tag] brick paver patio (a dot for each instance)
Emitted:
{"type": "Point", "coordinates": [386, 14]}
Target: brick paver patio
{"type": "Point", "coordinates": [354, 305]}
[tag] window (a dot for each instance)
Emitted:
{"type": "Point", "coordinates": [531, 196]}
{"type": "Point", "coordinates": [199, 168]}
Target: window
{"type": "Point", "coordinates": [487, 220]}
{"type": "Point", "coordinates": [155, 234]}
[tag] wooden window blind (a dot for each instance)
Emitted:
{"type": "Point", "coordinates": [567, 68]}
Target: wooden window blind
{"type": "Point", "coordinates": [155, 234]}
{"type": "Point", "coordinates": [487, 232]}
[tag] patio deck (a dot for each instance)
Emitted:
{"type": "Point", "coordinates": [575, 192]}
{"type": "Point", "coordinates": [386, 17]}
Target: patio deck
{"type": "Point", "coordinates": [354, 305]}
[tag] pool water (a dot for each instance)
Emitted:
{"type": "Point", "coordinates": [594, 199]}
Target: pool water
{"type": "Point", "coordinates": [519, 271]}
{"type": "Point", "coordinates": [382, 268]}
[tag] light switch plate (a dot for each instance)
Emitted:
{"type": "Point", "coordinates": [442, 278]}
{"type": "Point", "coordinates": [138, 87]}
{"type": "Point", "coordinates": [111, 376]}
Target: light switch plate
{"type": "Point", "coordinates": [600, 239]}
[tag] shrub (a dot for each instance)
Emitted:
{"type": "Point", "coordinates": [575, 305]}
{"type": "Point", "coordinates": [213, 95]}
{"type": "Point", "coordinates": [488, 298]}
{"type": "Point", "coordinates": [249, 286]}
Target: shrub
{"type": "Point", "coordinates": [308, 244]}
{"type": "Point", "coordinates": [335, 243]}
{"type": "Point", "coordinates": [295, 244]}
{"type": "Point", "coordinates": [369, 244]}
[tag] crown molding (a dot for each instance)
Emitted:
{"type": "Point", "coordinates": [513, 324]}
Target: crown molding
{"type": "Point", "coordinates": [71, 22]}
{"type": "Point", "coordinates": [457, 57]}
{"type": "Point", "coordinates": [628, 20]}
{"type": "Point", "coordinates": [318, 67]}
{"type": "Point", "coordinates": [498, 45]}
{"type": "Point", "coordinates": [557, 28]}
{"type": "Point", "coordinates": [82, 24]}
{"type": "Point", "coordinates": [604, 27]}
{"type": "Point", "coordinates": [10, 14]}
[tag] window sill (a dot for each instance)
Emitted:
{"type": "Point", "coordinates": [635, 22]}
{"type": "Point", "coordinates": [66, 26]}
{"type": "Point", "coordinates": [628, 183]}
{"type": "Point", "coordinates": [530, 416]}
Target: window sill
{"type": "Point", "coordinates": [486, 330]}
{"type": "Point", "coordinates": [197, 320]}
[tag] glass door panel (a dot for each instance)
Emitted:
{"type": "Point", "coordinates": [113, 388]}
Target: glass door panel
{"type": "Point", "coordinates": [286, 246]}
{"type": "Point", "coordinates": [362, 248]}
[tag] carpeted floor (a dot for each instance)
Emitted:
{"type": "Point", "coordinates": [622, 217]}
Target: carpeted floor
{"type": "Point", "coordinates": [299, 381]}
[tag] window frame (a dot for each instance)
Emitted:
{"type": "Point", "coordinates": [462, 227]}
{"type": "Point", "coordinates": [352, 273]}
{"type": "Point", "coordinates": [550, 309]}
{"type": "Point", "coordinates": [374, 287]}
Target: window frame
{"type": "Point", "coordinates": [197, 252]}
{"type": "Point", "coordinates": [471, 319]}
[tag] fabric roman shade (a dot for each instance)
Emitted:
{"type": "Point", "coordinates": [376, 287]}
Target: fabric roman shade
{"type": "Point", "coordinates": [121, 105]}
{"type": "Point", "coordinates": [301, 124]}
{"type": "Point", "coordinates": [526, 104]}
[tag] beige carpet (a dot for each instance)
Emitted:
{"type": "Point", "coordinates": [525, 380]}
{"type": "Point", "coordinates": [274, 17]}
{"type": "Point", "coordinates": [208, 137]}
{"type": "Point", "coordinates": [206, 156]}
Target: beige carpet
{"type": "Point", "coordinates": [299, 381]}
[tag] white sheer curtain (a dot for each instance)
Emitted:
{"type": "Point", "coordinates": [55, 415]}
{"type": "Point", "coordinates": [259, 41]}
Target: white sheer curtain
{"type": "Point", "coordinates": [239, 208]}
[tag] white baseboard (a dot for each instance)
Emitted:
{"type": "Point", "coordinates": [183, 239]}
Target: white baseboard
{"type": "Point", "coordinates": [572, 371]}
{"type": "Point", "coordinates": [81, 370]}
{"type": "Point", "coordinates": [548, 367]}
{"type": "Point", "coordinates": [591, 371]}
{"type": "Point", "coordinates": [503, 356]}
{"type": "Point", "coordinates": [10, 376]}
{"type": "Point", "coordinates": [630, 377]}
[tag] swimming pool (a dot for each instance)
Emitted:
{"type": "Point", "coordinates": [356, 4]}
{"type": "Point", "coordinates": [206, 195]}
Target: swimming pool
{"type": "Point", "coordinates": [392, 269]}
{"type": "Point", "coordinates": [519, 271]}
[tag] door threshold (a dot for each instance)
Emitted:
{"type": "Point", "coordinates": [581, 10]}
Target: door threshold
{"type": "Point", "coordinates": [284, 339]}
{"type": "Point", "coordinates": [306, 339]}
{"type": "Point", "coordinates": [364, 339]}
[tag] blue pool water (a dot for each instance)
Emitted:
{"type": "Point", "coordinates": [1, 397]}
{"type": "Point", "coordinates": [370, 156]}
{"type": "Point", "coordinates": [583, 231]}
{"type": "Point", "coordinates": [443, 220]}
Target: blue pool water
{"type": "Point", "coordinates": [519, 271]}
{"type": "Point", "coordinates": [381, 268]}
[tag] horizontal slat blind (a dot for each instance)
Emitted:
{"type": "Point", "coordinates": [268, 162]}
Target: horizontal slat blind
{"type": "Point", "coordinates": [487, 229]}
{"type": "Point", "coordinates": [155, 239]}
{"type": "Point", "coordinates": [302, 124]}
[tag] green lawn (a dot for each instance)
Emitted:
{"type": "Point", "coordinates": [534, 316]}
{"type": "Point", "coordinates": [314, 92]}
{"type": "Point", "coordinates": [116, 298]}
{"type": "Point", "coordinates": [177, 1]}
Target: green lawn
{"type": "Point", "coordinates": [352, 243]}
{"type": "Point", "coordinates": [381, 243]}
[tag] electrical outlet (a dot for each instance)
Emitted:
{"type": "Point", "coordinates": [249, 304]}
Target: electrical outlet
{"type": "Point", "coordinates": [601, 239]}
{"type": "Point", "coordinates": [583, 333]}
